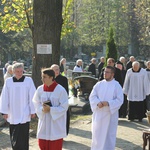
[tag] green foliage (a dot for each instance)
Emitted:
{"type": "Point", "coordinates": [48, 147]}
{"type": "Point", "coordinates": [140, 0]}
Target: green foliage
{"type": "Point", "coordinates": [16, 45]}
{"type": "Point", "coordinates": [86, 22]}
{"type": "Point", "coordinates": [111, 50]}
{"type": "Point", "coordinates": [16, 15]}
{"type": "Point", "coordinates": [68, 24]}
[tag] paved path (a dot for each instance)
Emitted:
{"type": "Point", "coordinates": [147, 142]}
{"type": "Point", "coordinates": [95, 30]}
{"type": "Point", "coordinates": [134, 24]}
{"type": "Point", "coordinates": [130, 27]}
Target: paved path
{"type": "Point", "coordinates": [129, 136]}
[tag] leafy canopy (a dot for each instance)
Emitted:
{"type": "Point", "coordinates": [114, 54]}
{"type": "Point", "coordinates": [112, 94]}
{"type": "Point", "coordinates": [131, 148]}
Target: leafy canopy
{"type": "Point", "coordinates": [16, 15]}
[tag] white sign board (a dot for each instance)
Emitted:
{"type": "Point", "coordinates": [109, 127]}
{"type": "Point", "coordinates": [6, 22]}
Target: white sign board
{"type": "Point", "coordinates": [44, 48]}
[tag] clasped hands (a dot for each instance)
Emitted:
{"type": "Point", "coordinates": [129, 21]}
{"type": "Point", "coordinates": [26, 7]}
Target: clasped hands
{"type": "Point", "coordinates": [102, 104]}
{"type": "Point", "coordinates": [46, 108]}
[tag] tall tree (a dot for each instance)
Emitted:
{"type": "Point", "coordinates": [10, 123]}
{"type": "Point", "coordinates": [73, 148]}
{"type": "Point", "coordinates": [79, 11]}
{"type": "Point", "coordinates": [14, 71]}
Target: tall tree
{"type": "Point", "coordinates": [111, 50]}
{"type": "Point", "coordinates": [44, 18]}
{"type": "Point", "coordinates": [47, 24]}
{"type": "Point", "coordinates": [134, 29]}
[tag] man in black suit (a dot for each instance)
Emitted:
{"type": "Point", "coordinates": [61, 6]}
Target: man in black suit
{"type": "Point", "coordinates": [129, 63]}
{"type": "Point", "coordinates": [63, 81]}
{"type": "Point", "coordinates": [100, 65]}
{"type": "Point", "coordinates": [92, 67]}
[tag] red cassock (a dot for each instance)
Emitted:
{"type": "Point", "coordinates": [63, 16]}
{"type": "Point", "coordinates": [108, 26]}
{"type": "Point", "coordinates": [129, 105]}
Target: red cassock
{"type": "Point", "coordinates": [50, 145]}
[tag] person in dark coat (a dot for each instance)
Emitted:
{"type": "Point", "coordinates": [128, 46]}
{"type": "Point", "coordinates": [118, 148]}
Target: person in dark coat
{"type": "Point", "coordinates": [123, 108]}
{"type": "Point", "coordinates": [117, 76]}
{"type": "Point", "coordinates": [100, 65]}
{"type": "Point", "coordinates": [63, 81]}
{"type": "Point", "coordinates": [92, 66]}
{"type": "Point", "coordinates": [129, 63]}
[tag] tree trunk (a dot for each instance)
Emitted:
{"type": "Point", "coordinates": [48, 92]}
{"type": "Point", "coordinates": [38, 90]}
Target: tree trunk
{"type": "Point", "coordinates": [47, 24]}
{"type": "Point", "coordinates": [134, 30]}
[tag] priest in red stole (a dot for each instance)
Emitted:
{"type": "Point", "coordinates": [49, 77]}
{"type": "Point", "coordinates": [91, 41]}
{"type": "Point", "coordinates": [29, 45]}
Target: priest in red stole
{"type": "Point", "coordinates": [51, 104]}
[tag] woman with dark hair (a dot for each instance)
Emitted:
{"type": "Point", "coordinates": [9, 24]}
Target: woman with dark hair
{"type": "Point", "coordinates": [51, 104]}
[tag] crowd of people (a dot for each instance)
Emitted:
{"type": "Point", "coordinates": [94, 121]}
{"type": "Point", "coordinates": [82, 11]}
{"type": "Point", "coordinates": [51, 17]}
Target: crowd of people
{"type": "Point", "coordinates": [20, 101]}
{"type": "Point", "coordinates": [123, 90]}
{"type": "Point", "coordinates": [129, 74]}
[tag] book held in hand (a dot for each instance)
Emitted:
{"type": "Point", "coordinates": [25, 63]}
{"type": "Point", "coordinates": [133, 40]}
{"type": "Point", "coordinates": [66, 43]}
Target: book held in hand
{"type": "Point", "coordinates": [48, 102]}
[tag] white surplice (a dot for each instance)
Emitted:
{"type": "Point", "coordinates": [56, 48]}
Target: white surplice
{"type": "Point", "coordinates": [105, 119]}
{"type": "Point", "coordinates": [16, 100]}
{"type": "Point", "coordinates": [51, 125]}
{"type": "Point", "coordinates": [136, 85]}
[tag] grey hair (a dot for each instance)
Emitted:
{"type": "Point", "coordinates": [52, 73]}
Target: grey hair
{"type": "Point", "coordinates": [136, 63]}
{"type": "Point", "coordinates": [17, 65]}
{"type": "Point", "coordinates": [54, 65]}
{"type": "Point", "coordinates": [147, 62]}
{"type": "Point", "coordinates": [79, 60]}
{"type": "Point", "coordinates": [9, 68]}
{"type": "Point", "coordinates": [121, 58]}
{"type": "Point", "coordinates": [132, 57]}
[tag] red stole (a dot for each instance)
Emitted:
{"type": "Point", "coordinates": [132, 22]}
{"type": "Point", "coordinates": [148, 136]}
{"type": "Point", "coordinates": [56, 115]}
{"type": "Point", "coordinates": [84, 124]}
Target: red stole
{"type": "Point", "coordinates": [51, 87]}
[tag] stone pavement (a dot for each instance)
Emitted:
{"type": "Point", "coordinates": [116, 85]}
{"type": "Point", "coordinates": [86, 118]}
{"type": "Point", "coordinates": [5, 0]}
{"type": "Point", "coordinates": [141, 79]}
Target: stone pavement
{"type": "Point", "coordinates": [129, 136]}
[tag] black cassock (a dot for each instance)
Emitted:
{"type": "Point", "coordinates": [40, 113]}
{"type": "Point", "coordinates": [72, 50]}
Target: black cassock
{"type": "Point", "coordinates": [63, 81]}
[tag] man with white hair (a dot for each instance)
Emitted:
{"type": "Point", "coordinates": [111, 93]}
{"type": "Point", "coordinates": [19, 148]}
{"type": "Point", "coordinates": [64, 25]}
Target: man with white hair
{"type": "Point", "coordinates": [5, 68]}
{"type": "Point", "coordinates": [136, 88]}
{"type": "Point", "coordinates": [8, 73]}
{"type": "Point", "coordinates": [123, 61]}
{"type": "Point", "coordinates": [100, 65]}
{"type": "Point", "coordinates": [92, 67]}
{"type": "Point", "coordinates": [17, 107]}
{"type": "Point", "coordinates": [129, 63]}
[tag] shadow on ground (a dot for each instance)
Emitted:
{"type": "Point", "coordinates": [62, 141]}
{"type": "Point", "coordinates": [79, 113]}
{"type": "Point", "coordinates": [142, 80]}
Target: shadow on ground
{"type": "Point", "coordinates": [134, 124]}
{"type": "Point", "coordinates": [72, 145]}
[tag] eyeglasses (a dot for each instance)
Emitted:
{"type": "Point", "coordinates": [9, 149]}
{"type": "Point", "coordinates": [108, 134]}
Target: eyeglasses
{"type": "Point", "coordinates": [107, 72]}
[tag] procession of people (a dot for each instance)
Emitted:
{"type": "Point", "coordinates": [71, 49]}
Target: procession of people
{"type": "Point", "coordinates": [122, 90]}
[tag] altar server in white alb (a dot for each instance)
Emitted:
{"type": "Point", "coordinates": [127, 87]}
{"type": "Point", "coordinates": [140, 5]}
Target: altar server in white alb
{"type": "Point", "coordinates": [52, 117]}
{"type": "Point", "coordinates": [105, 100]}
{"type": "Point", "coordinates": [17, 107]}
{"type": "Point", "coordinates": [136, 87]}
